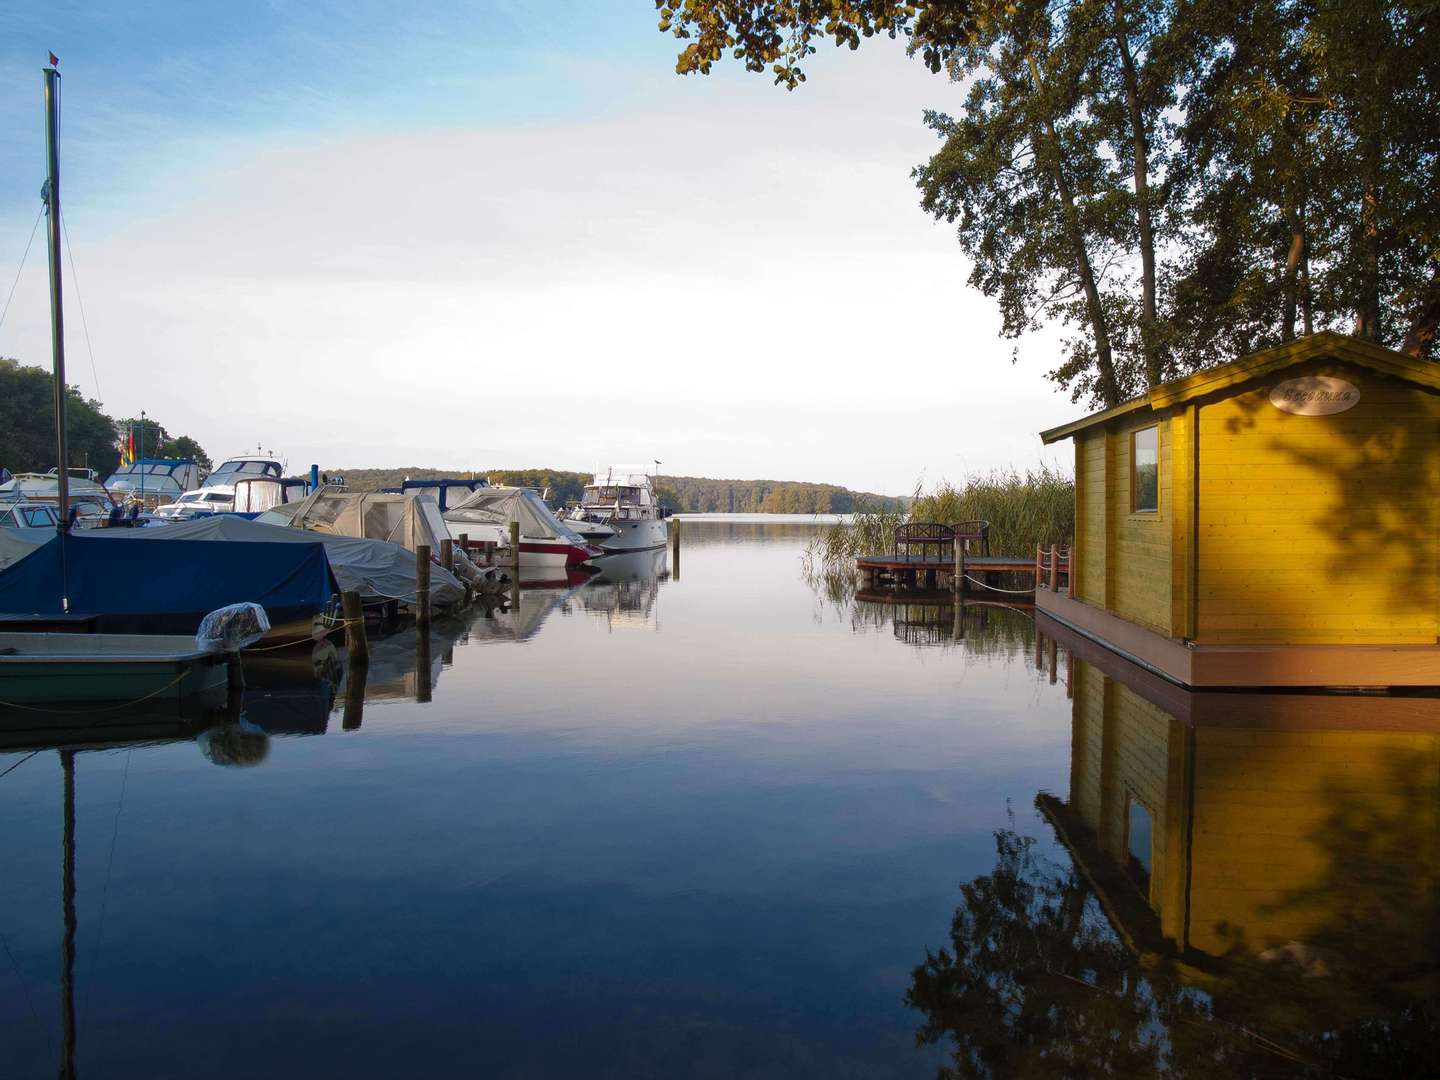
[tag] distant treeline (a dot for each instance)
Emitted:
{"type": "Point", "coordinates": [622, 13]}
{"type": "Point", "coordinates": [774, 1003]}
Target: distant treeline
{"type": "Point", "coordinates": [693, 494]}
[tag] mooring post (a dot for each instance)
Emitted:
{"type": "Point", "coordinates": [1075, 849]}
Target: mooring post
{"type": "Point", "coordinates": [1070, 570]}
{"type": "Point", "coordinates": [422, 585]}
{"type": "Point", "coordinates": [357, 646]}
{"type": "Point", "coordinates": [675, 548]}
{"type": "Point", "coordinates": [959, 583]}
{"type": "Point", "coordinates": [447, 554]}
{"type": "Point", "coordinates": [1039, 561]}
{"type": "Point", "coordinates": [515, 547]}
{"type": "Point", "coordinates": [1054, 568]}
{"type": "Point", "coordinates": [465, 543]}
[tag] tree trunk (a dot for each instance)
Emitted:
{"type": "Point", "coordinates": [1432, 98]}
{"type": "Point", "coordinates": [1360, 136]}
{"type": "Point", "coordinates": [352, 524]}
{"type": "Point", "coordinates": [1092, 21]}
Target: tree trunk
{"type": "Point", "coordinates": [1367, 322]}
{"type": "Point", "coordinates": [1420, 337]}
{"type": "Point", "coordinates": [1294, 259]}
{"type": "Point", "coordinates": [1149, 345]}
{"type": "Point", "coordinates": [1104, 357]}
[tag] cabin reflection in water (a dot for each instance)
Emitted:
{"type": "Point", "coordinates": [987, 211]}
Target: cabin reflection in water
{"type": "Point", "coordinates": [1269, 825]}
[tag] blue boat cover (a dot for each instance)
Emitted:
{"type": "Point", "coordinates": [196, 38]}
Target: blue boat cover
{"type": "Point", "coordinates": [165, 586]}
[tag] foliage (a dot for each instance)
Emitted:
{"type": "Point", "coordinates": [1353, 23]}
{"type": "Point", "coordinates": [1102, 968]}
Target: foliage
{"type": "Point", "coordinates": [27, 424]}
{"type": "Point", "coordinates": [693, 494]}
{"type": "Point", "coordinates": [159, 443]}
{"type": "Point", "coordinates": [1177, 181]}
{"type": "Point", "coordinates": [1037, 507]}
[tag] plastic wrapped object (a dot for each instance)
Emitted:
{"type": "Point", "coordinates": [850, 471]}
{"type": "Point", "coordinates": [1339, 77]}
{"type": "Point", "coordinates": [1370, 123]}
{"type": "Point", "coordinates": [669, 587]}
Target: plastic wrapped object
{"type": "Point", "coordinates": [229, 629]}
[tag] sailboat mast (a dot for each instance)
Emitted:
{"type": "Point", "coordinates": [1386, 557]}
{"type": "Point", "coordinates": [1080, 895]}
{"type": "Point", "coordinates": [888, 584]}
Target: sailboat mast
{"type": "Point", "coordinates": [57, 318]}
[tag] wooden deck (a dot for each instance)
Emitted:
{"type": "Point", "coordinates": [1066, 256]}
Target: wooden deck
{"type": "Point", "coordinates": [988, 564]}
{"type": "Point", "coordinates": [995, 575]}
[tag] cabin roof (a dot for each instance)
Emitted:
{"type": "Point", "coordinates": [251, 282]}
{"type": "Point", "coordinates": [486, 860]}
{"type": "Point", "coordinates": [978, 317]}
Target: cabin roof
{"type": "Point", "coordinates": [1325, 344]}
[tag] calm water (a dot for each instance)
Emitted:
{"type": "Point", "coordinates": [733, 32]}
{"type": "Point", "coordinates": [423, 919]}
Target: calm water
{"type": "Point", "coordinates": [723, 823]}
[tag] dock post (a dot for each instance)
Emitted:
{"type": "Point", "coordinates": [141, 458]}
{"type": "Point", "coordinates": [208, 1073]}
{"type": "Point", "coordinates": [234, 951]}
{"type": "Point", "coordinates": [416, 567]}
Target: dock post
{"type": "Point", "coordinates": [465, 544]}
{"type": "Point", "coordinates": [447, 554]}
{"type": "Point", "coordinates": [422, 586]}
{"type": "Point", "coordinates": [675, 548]}
{"type": "Point", "coordinates": [1070, 570]}
{"type": "Point", "coordinates": [1054, 568]}
{"type": "Point", "coordinates": [357, 646]}
{"type": "Point", "coordinates": [355, 677]}
{"type": "Point", "coordinates": [515, 548]}
{"type": "Point", "coordinates": [1039, 562]}
{"type": "Point", "coordinates": [959, 583]}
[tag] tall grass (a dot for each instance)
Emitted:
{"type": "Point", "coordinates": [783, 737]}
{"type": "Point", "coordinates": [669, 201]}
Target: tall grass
{"type": "Point", "coordinates": [1023, 509]}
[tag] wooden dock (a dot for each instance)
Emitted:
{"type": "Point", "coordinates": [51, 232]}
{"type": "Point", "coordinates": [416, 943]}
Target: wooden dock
{"type": "Point", "coordinates": [930, 556]}
{"type": "Point", "coordinates": [929, 573]}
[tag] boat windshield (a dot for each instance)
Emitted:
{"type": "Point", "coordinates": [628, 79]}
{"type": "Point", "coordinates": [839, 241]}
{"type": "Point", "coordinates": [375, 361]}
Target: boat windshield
{"type": "Point", "coordinates": [608, 496]}
{"type": "Point", "coordinates": [229, 471]}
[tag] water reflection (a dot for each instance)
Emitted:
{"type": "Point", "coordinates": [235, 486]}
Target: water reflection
{"type": "Point", "coordinates": [624, 594]}
{"type": "Point", "coordinates": [1251, 889]}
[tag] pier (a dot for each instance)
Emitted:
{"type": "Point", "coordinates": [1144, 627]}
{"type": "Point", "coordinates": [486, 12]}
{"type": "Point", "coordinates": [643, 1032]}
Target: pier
{"type": "Point", "coordinates": [929, 557]}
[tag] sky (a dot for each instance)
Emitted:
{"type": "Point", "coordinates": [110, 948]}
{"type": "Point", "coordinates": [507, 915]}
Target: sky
{"type": "Point", "coordinates": [503, 235]}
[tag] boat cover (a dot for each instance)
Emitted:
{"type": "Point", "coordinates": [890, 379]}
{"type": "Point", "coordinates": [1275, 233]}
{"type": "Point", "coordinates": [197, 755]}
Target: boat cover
{"type": "Point", "coordinates": [408, 520]}
{"type": "Point", "coordinates": [165, 586]}
{"type": "Point", "coordinates": [373, 568]}
{"type": "Point", "coordinates": [499, 506]}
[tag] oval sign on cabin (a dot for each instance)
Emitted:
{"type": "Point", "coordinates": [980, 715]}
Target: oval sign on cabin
{"type": "Point", "coordinates": [1314, 395]}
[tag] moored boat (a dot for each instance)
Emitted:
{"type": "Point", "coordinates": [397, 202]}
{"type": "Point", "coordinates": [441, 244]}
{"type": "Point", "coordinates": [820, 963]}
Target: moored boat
{"type": "Point", "coordinates": [485, 518]}
{"type": "Point", "coordinates": [620, 511]}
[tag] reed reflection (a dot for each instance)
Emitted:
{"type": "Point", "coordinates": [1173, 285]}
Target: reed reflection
{"type": "Point", "coordinates": [1251, 890]}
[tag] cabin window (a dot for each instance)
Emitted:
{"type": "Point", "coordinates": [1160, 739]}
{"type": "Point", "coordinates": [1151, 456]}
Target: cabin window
{"type": "Point", "coordinates": [1145, 482]}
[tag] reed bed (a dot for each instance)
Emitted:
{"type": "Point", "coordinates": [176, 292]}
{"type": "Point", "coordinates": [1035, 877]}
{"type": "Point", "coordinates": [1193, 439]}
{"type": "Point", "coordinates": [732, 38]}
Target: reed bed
{"type": "Point", "coordinates": [1023, 509]}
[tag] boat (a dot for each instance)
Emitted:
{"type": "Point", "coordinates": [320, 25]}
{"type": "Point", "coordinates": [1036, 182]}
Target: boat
{"type": "Point", "coordinates": [73, 621]}
{"type": "Point", "coordinates": [446, 491]}
{"type": "Point", "coordinates": [484, 521]}
{"type": "Point", "coordinates": [619, 511]}
{"type": "Point", "coordinates": [216, 495]}
{"type": "Point", "coordinates": [36, 668]}
{"type": "Point", "coordinates": [24, 514]}
{"type": "Point", "coordinates": [84, 493]}
{"type": "Point", "coordinates": [165, 479]}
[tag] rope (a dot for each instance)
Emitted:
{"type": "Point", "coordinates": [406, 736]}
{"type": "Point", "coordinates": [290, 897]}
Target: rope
{"type": "Point", "coordinates": [75, 280]}
{"type": "Point", "coordinates": [996, 588]}
{"type": "Point", "coordinates": [33, 230]}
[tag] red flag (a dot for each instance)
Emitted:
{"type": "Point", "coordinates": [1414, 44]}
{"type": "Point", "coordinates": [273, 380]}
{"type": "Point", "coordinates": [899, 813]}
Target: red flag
{"type": "Point", "coordinates": [54, 60]}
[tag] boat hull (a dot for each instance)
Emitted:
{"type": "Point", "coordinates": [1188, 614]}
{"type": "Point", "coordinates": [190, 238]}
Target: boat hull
{"type": "Point", "coordinates": [636, 536]}
{"type": "Point", "coordinates": [63, 668]}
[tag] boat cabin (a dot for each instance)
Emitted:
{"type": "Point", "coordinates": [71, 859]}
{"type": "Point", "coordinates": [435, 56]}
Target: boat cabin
{"type": "Point", "coordinates": [227, 472]}
{"type": "Point", "coordinates": [1274, 521]}
{"type": "Point", "coordinates": [166, 477]}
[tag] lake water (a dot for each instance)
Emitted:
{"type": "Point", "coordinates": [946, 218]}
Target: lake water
{"type": "Point", "coordinates": [724, 823]}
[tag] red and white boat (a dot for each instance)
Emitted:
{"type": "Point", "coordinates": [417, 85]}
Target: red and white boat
{"type": "Point", "coordinates": [485, 517]}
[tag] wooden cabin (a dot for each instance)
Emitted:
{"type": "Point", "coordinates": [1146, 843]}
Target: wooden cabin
{"type": "Point", "coordinates": [1274, 521]}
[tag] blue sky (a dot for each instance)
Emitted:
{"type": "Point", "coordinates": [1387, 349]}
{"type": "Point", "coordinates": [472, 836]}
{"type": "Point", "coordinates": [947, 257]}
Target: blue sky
{"type": "Point", "coordinates": [504, 234]}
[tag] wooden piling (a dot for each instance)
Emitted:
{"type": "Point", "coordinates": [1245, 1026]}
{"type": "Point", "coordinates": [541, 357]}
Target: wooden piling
{"type": "Point", "coordinates": [515, 547]}
{"type": "Point", "coordinates": [958, 584]}
{"type": "Point", "coordinates": [422, 586]}
{"type": "Point", "coordinates": [357, 645]}
{"type": "Point", "coordinates": [447, 554]}
{"type": "Point", "coordinates": [1054, 568]}
{"type": "Point", "coordinates": [1039, 563]}
{"type": "Point", "coordinates": [675, 548]}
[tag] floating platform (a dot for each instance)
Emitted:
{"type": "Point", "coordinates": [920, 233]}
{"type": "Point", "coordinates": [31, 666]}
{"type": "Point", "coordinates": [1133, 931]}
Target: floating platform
{"type": "Point", "coordinates": [929, 573]}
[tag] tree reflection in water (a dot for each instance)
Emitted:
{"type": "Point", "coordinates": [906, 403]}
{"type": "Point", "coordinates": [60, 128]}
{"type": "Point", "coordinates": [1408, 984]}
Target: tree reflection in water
{"type": "Point", "coordinates": [1036, 982]}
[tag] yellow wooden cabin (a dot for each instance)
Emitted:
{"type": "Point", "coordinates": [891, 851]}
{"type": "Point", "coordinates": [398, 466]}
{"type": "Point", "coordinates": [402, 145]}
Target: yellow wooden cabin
{"type": "Point", "coordinates": [1271, 522]}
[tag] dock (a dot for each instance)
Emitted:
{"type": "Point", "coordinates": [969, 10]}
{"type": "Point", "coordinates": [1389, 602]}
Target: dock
{"type": "Point", "coordinates": [930, 556]}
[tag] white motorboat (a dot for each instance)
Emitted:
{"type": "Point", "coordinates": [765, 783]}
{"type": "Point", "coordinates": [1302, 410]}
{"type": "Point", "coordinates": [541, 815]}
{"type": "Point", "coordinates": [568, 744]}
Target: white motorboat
{"type": "Point", "coordinates": [485, 516]}
{"type": "Point", "coordinates": [90, 501]}
{"type": "Point", "coordinates": [217, 494]}
{"type": "Point", "coordinates": [620, 511]}
{"type": "Point", "coordinates": [164, 478]}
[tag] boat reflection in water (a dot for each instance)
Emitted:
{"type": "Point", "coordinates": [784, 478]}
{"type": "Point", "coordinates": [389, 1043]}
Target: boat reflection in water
{"type": "Point", "coordinates": [1252, 890]}
{"type": "Point", "coordinates": [624, 593]}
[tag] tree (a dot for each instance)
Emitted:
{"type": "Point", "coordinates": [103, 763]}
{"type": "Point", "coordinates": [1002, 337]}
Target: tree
{"type": "Point", "coordinates": [154, 441]}
{"type": "Point", "coordinates": [1181, 181]}
{"type": "Point", "coordinates": [27, 423]}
